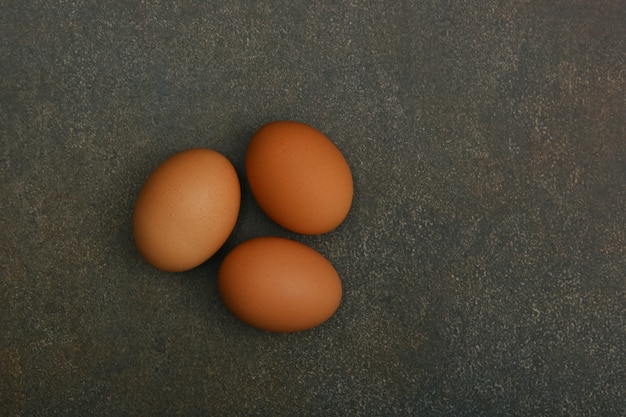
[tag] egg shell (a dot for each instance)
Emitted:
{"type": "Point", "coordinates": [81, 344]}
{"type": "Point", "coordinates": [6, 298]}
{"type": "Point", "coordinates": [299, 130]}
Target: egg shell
{"type": "Point", "coordinates": [186, 209]}
{"type": "Point", "coordinates": [299, 178]}
{"type": "Point", "coordinates": [279, 285]}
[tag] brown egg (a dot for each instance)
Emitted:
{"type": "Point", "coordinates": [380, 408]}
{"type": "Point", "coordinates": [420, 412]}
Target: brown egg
{"type": "Point", "coordinates": [186, 209]}
{"type": "Point", "coordinates": [299, 177]}
{"type": "Point", "coordinates": [279, 285]}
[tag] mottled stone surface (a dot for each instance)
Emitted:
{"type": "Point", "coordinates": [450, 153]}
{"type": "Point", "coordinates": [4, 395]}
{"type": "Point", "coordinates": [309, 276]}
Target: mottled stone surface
{"type": "Point", "coordinates": [483, 261]}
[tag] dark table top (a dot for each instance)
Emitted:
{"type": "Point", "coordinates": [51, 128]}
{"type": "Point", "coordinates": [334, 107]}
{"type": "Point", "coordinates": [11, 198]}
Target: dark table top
{"type": "Point", "coordinates": [483, 260]}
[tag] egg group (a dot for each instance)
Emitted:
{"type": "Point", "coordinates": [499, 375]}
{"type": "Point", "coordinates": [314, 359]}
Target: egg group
{"type": "Point", "coordinates": [189, 205]}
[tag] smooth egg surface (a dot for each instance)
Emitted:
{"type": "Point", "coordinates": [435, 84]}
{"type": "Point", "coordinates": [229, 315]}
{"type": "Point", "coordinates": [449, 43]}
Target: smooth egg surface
{"type": "Point", "coordinates": [299, 178]}
{"type": "Point", "coordinates": [279, 285]}
{"type": "Point", "coordinates": [186, 209]}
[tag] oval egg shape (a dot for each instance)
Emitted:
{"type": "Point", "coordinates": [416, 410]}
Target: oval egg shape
{"type": "Point", "coordinates": [299, 178]}
{"type": "Point", "coordinates": [279, 285]}
{"type": "Point", "coordinates": [186, 209]}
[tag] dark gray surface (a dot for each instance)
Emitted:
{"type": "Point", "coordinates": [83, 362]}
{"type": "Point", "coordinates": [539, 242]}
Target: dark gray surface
{"type": "Point", "coordinates": [483, 260]}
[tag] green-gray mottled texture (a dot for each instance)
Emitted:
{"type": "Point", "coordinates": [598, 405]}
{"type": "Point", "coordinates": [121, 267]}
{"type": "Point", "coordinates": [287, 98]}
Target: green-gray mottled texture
{"type": "Point", "coordinates": [483, 260]}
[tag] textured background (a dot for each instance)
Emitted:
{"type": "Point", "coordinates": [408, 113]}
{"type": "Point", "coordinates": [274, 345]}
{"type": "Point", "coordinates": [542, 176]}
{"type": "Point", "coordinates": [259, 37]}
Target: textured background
{"type": "Point", "coordinates": [483, 260]}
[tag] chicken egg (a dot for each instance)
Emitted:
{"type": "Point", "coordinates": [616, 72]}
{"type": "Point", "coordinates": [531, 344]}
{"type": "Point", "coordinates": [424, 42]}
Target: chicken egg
{"type": "Point", "coordinates": [279, 285]}
{"type": "Point", "coordinates": [299, 178]}
{"type": "Point", "coordinates": [186, 209]}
